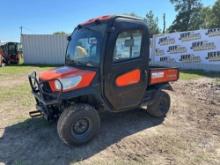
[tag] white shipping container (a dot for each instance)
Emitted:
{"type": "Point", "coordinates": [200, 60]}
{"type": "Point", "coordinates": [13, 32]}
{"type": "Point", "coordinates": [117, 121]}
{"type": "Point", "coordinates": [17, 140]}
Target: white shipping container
{"type": "Point", "coordinates": [44, 49]}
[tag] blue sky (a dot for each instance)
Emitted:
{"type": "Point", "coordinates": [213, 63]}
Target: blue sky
{"type": "Point", "coordinates": [48, 16]}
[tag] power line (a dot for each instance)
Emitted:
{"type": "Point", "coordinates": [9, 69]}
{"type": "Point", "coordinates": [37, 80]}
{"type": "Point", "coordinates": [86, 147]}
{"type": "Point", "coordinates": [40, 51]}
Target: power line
{"type": "Point", "coordinates": [22, 28]}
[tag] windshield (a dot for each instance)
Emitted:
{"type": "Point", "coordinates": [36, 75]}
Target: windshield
{"type": "Point", "coordinates": [12, 49]}
{"type": "Point", "coordinates": [84, 48]}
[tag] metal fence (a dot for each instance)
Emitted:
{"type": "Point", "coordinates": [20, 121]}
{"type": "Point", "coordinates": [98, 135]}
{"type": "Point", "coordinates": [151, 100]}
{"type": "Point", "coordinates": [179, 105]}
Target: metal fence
{"type": "Point", "coordinates": [44, 49]}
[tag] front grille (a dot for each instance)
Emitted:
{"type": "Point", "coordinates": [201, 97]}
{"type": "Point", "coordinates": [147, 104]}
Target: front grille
{"type": "Point", "coordinates": [45, 86]}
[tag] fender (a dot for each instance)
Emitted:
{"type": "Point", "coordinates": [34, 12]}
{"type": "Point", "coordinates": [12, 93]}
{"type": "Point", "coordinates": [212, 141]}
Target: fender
{"type": "Point", "coordinates": [165, 86]}
{"type": "Point", "coordinates": [153, 92]}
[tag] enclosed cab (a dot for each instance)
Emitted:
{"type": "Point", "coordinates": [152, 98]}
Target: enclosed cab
{"type": "Point", "coordinates": [11, 52]}
{"type": "Point", "coordinates": [106, 69]}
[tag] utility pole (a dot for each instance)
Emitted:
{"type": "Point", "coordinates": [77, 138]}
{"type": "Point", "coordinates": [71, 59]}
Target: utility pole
{"type": "Point", "coordinates": [21, 29]}
{"type": "Point", "coordinates": [164, 23]}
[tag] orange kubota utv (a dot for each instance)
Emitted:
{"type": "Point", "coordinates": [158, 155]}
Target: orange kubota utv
{"type": "Point", "coordinates": [106, 69]}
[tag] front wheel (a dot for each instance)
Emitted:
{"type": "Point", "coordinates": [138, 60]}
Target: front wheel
{"type": "Point", "coordinates": [160, 106]}
{"type": "Point", "coordinates": [78, 124]}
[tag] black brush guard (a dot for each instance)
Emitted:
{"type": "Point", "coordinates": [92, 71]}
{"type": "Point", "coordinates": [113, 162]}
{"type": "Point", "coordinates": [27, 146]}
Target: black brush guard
{"type": "Point", "coordinates": [42, 97]}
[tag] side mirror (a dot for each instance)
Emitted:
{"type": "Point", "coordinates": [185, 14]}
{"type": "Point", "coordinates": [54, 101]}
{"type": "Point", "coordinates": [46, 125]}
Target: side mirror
{"type": "Point", "coordinates": [129, 43]}
{"type": "Point", "coordinates": [69, 38]}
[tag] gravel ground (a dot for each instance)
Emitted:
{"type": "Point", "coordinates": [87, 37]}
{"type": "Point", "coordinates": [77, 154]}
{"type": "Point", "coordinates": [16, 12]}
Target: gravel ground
{"type": "Point", "coordinates": [190, 134]}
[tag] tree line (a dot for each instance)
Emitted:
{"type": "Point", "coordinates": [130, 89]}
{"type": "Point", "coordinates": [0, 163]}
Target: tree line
{"type": "Point", "coordinates": [191, 15]}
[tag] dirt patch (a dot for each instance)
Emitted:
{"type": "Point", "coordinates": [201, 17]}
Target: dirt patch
{"type": "Point", "coordinates": [12, 81]}
{"type": "Point", "coordinates": [188, 135]}
{"type": "Point", "coordinates": [205, 89]}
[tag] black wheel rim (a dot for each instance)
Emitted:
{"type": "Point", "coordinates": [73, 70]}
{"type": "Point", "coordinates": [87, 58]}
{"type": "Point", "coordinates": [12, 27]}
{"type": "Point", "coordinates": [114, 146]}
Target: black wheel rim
{"type": "Point", "coordinates": [81, 126]}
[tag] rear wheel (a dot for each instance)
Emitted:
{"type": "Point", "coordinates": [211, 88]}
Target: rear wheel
{"type": "Point", "coordinates": [160, 106]}
{"type": "Point", "coordinates": [78, 124]}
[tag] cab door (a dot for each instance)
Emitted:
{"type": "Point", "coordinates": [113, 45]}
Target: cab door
{"type": "Point", "coordinates": [125, 63]}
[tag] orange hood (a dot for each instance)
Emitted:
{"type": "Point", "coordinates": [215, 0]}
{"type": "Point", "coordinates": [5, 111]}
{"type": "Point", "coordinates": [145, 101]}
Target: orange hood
{"type": "Point", "coordinates": [58, 73]}
{"type": "Point", "coordinates": [65, 72]}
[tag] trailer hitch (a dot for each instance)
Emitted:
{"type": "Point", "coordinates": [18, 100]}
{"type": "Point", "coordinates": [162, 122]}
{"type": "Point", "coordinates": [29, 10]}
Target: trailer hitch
{"type": "Point", "coordinates": [34, 114]}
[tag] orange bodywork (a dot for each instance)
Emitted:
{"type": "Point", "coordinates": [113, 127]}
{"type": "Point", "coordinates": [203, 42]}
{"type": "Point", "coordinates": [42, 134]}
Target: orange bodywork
{"type": "Point", "coordinates": [67, 72]}
{"type": "Point", "coordinates": [101, 18]}
{"type": "Point", "coordinates": [129, 78]}
{"type": "Point", "coordinates": [158, 76]}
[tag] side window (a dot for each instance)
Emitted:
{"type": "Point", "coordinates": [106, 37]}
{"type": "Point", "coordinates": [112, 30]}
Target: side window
{"type": "Point", "coordinates": [128, 45]}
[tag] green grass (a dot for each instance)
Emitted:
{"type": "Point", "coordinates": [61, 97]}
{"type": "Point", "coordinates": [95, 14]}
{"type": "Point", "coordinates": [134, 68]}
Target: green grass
{"type": "Point", "coordinates": [21, 93]}
{"type": "Point", "coordinates": [196, 74]}
{"type": "Point", "coordinates": [24, 69]}
{"type": "Point", "coordinates": [21, 69]}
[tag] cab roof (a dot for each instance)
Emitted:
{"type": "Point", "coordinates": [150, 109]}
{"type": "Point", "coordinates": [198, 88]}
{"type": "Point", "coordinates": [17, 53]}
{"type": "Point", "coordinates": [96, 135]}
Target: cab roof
{"type": "Point", "coordinates": [4, 43]}
{"type": "Point", "coordinates": [107, 18]}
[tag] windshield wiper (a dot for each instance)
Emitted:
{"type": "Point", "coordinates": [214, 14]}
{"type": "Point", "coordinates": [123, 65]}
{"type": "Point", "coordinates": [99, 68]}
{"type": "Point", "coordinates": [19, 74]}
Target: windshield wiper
{"type": "Point", "coordinates": [72, 62]}
{"type": "Point", "coordinates": [79, 63]}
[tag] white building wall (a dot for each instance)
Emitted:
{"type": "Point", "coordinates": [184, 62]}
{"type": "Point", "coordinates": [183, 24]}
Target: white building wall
{"type": "Point", "coordinates": [44, 49]}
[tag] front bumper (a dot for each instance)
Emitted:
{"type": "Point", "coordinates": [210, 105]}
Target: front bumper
{"type": "Point", "coordinates": [44, 98]}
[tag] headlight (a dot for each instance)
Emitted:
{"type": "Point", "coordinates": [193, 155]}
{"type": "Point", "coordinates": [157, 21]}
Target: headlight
{"type": "Point", "coordinates": [68, 83]}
